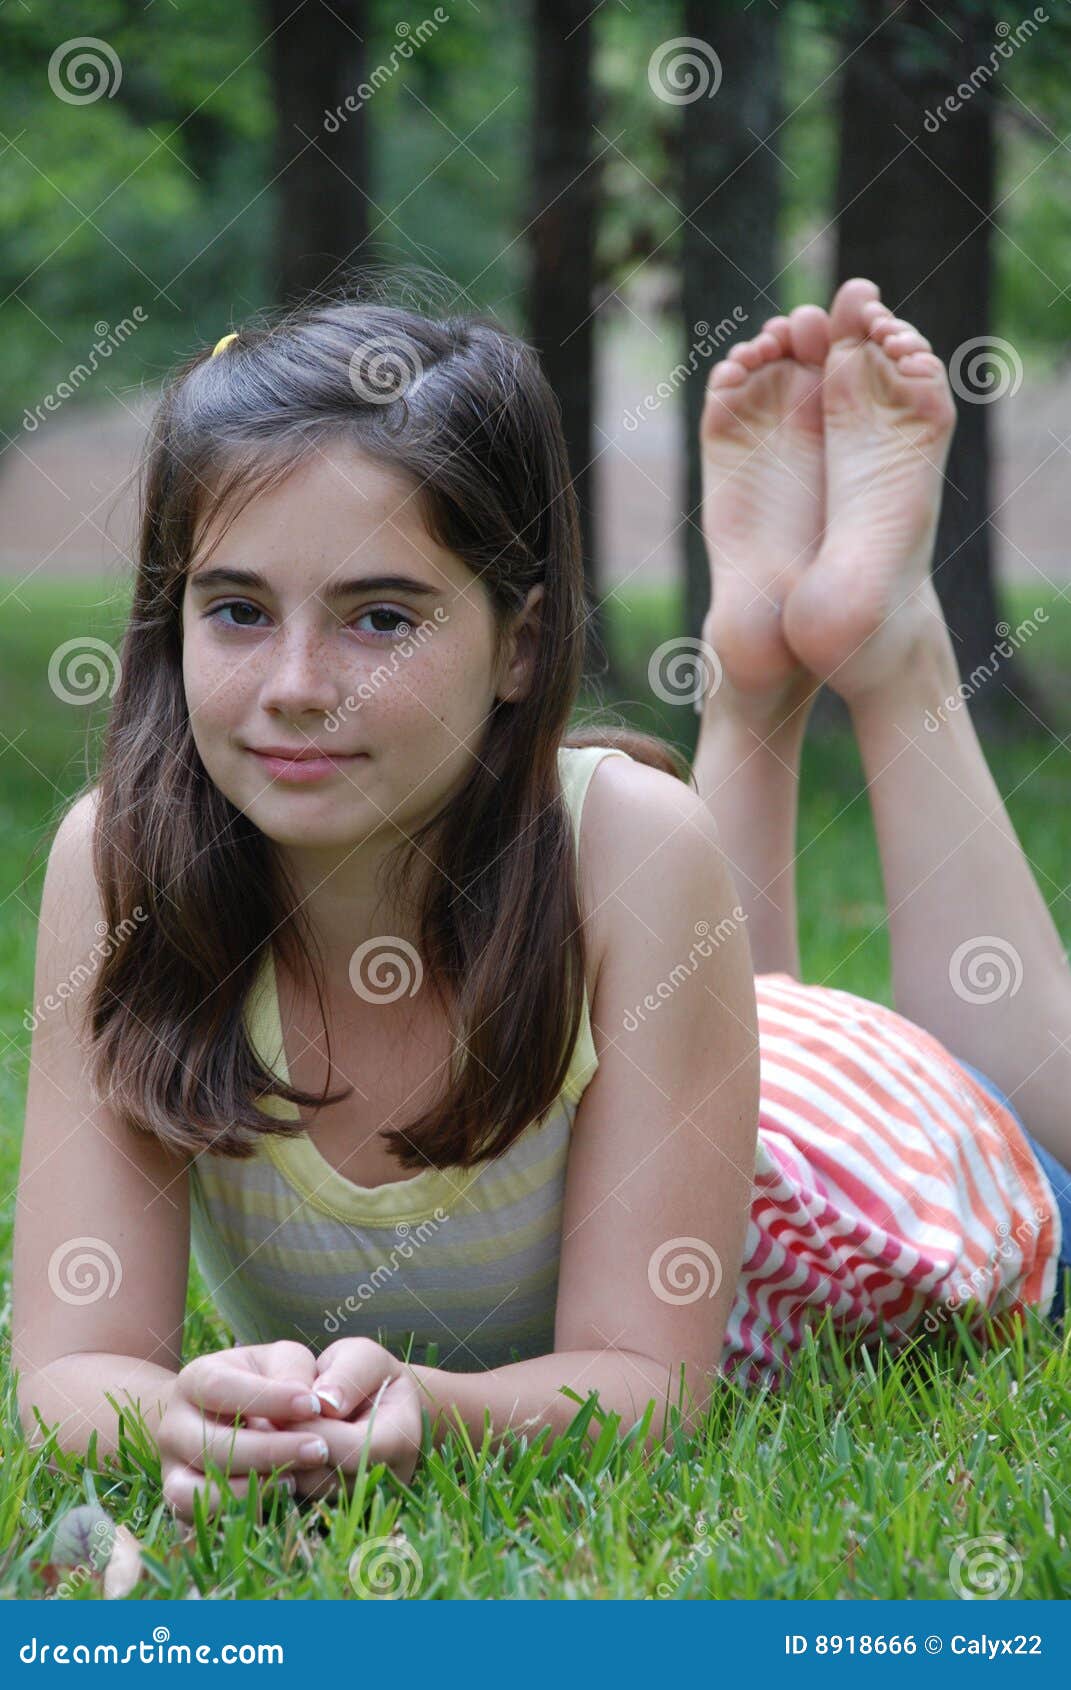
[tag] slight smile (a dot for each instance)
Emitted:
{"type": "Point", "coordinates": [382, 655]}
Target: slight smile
{"type": "Point", "coordinates": [304, 765]}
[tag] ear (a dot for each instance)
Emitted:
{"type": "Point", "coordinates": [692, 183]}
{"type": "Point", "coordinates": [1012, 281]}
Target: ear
{"type": "Point", "coordinates": [520, 648]}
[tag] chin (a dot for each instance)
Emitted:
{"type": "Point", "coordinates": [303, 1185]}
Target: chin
{"type": "Point", "coordinates": [302, 821]}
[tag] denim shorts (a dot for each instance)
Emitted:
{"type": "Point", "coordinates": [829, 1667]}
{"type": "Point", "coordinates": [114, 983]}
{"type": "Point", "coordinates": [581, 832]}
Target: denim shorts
{"type": "Point", "coordinates": [1058, 1176]}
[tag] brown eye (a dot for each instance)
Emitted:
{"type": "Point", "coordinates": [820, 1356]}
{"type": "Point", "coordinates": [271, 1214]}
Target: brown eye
{"type": "Point", "coordinates": [234, 605]}
{"type": "Point", "coordinates": [403, 623]}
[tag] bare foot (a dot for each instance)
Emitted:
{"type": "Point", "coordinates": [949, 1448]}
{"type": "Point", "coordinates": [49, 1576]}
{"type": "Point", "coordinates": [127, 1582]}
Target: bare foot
{"type": "Point", "coordinates": [889, 419]}
{"type": "Point", "coordinates": [763, 491]}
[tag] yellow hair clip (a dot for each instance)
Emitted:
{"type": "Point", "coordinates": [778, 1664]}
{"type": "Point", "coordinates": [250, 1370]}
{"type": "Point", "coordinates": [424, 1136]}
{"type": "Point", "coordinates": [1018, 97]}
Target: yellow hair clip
{"type": "Point", "coordinates": [220, 344]}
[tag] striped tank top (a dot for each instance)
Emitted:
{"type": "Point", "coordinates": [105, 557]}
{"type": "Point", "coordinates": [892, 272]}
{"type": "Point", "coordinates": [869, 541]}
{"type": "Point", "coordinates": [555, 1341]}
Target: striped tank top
{"type": "Point", "coordinates": [888, 1185]}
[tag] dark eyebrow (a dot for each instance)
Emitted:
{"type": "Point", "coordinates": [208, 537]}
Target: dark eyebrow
{"type": "Point", "coordinates": [219, 577]}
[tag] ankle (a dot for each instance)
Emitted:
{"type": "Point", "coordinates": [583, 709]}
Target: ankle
{"type": "Point", "coordinates": [924, 674]}
{"type": "Point", "coordinates": [911, 643]}
{"type": "Point", "coordinates": [775, 716]}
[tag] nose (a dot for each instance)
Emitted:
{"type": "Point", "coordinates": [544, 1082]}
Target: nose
{"type": "Point", "coordinates": [300, 676]}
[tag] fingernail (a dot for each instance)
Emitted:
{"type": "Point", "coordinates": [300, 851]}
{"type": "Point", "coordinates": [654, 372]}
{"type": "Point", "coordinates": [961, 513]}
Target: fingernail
{"type": "Point", "coordinates": [332, 1396]}
{"type": "Point", "coordinates": [306, 1405]}
{"type": "Point", "coordinates": [313, 1449]}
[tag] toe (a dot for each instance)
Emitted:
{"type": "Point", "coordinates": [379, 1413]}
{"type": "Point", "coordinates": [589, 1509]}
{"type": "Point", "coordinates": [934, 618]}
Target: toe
{"type": "Point", "coordinates": [809, 327]}
{"type": "Point", "coordinates": [905, 340]}
{"type": "Point", "coordinates": [782, 329]}
{"type": "Point", "coordinates": [846, 319]}
{"type": "Point", "coordinates": [879, 323]}
{"type": "Point", "coordinates": [770, 345]}
{"type": "Point", "coordinates": [750, 353]}
{"type": "Point", "coordinates": [728, 372]}
{"type": "Point", "coordinates": [920, 364]}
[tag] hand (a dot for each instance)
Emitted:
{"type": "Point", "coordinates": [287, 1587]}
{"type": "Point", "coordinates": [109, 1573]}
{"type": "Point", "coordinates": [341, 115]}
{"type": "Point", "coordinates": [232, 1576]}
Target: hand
{"type": "Point", "coordinates": [370, 1399]}
{"type": "Point", "coordinates": [263, 1384]}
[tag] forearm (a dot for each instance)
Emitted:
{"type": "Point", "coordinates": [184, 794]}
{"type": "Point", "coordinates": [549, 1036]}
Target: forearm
{"type": "Point", "coordinates": [528, 1395]}
{"type": "Point", "coordinates": [71, 1393]}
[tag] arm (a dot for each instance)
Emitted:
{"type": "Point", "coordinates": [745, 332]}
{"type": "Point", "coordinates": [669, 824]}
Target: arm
{"type": "Point", "coordinates": [73, 1391]}
{"type": "Point", "coordinates": [101, 1220]}
{"type": "Point", "coordinates": [527, 1395]}
{"type": "Point", "coordinates": [663, 1145]}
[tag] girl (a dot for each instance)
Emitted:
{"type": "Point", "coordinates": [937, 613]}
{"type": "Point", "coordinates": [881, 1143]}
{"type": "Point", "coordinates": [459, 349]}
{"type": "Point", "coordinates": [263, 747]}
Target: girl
{"type": "Point", "coordinates": [337, 835]}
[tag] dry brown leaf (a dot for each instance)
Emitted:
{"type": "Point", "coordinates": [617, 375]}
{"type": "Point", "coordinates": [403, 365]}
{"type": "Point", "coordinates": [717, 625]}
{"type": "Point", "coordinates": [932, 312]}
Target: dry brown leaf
{"type": "Point", "coordinates": [124, 1564]}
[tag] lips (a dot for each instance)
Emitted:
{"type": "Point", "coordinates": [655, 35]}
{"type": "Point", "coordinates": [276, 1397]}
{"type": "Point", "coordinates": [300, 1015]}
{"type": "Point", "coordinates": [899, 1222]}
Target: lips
{"type": "Point", "coordinates": [304, 767]}
{"type": "Point", "coordinates": [306, 753]}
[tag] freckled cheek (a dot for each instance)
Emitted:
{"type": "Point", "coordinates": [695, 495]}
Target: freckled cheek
{"type": "Point", "coordinates": [216, 698]}
{"type": "Point", "coordinates": [442, 702]}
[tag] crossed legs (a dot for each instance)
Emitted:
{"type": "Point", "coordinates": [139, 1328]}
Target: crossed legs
{"type": "Point", "coordinates": [824, 444]}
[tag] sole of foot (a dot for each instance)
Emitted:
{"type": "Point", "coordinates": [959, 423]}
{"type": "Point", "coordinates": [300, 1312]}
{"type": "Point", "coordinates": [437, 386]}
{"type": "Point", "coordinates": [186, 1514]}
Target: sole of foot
{"type": "Point", "coordinates": [763, 479]}
{"type": "Point", "coordinates": [868, 596]}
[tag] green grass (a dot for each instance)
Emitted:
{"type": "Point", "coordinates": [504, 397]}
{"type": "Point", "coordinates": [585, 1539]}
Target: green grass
{"type": "Point", "coordinates": [868, 1477]}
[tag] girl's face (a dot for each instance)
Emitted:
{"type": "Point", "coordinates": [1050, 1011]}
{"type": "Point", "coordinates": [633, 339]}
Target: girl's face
{"type": "Point", "coordinates": [359, 637]}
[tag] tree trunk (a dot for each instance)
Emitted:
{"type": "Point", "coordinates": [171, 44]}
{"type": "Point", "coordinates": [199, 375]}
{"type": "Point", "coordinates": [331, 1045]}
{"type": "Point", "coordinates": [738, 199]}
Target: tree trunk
{"type": "Point", "coordinates": [915, 192]}
{"type": "Point", "coordinates": [317, 57]}
{"type": "Point", "coordinates": [561, 230]}
{"type": "Point", "coordinates": [730, 197]}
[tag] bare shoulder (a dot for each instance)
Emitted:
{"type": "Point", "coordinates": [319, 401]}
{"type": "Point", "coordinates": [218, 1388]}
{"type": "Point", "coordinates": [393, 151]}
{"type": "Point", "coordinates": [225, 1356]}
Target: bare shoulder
{"type": "Point", "coordinates": [70, 877]}
{"type": "Point", "coordinates": [646, 838]}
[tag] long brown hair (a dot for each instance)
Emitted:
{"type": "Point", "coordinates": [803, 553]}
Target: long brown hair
{"type": "Point", "coordinates": [477, 427]}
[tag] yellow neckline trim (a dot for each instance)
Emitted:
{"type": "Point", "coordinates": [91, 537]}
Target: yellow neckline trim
{"type": "Point", "coordinates": [299, 1161]}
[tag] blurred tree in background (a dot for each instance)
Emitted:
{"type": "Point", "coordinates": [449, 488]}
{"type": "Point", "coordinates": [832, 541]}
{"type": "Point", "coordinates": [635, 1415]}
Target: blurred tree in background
{"type": "Point", "coordinates": [321, 176]}
{"type": "Point", "coordinates": [729, 188]}
{"type": "Point", "coordinates": [560, 227]}
{"type": "Point", "coordinates": [522, 154]}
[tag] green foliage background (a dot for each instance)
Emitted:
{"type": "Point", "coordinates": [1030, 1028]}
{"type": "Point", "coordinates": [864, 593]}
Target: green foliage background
{"type": "Point", "coordinates": [160, 195]}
